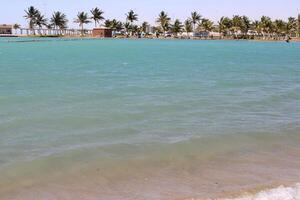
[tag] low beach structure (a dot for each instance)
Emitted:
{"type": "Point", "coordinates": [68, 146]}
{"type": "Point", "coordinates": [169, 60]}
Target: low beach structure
{"type": "Point", "coordinates": [102, 32]}
{"type": "Point", "coordinates": [53, 32]}
{"type": "Point", "coordinates": [5, 29]}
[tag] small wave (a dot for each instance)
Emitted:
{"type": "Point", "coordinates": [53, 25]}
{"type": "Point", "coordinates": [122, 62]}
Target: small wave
{"type": "Point", "coordinates": [280, 193]}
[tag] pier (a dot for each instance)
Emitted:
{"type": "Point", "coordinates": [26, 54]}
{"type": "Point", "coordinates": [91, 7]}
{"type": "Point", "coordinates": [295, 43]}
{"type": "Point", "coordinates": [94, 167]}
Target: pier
{"type": "Point", "coordinates": [52, 32]}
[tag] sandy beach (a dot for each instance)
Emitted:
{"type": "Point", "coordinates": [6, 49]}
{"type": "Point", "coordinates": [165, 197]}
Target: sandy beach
{"type": "Point", "coordinates": [166, 174]}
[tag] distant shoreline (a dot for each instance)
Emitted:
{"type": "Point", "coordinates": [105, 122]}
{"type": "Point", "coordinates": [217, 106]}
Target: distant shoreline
{"type": "Point", "coordinates": [151, 38]}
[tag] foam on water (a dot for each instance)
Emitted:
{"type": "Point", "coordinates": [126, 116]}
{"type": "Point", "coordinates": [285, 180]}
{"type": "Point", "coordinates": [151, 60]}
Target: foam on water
{"type": "Point", "coordinates": [280, 193]}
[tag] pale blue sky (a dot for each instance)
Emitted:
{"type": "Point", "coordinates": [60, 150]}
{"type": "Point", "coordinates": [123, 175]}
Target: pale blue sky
{"type": "Point", "coordinates": [12, 11]}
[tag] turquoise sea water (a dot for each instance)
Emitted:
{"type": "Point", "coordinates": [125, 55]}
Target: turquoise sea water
{"type": "Point", "coordinates": [74, 102]}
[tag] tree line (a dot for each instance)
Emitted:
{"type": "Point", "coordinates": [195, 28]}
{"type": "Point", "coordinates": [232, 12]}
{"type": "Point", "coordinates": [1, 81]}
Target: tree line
{"type": "Point", "coordinates": [237, 26]}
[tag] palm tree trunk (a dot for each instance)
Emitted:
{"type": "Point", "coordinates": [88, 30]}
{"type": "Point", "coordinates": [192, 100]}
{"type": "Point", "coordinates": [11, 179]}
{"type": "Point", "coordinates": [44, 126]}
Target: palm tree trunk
{"type": "Point", "coordinates": [194, 27]}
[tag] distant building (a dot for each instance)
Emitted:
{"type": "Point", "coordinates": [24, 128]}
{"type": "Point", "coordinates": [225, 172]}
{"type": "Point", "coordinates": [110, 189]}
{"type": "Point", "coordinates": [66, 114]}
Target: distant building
{"type": "Point", "coordinates": [102, 32]}
{"type": "Point", "coordinates": [201, 34]}
{"type": "Point", "coordinates": [5, 29]}
{"type": "Point", "coordinates": [185, 34]}
{"type": "Point", "coordinates": [150, 29]}
{"type": "Point", "coordinates": [215, 34]}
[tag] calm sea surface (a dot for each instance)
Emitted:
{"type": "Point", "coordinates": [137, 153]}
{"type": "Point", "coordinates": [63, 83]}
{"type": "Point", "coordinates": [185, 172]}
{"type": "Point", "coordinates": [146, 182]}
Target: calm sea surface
{"type": "Point", "coordinates": [147, 119]}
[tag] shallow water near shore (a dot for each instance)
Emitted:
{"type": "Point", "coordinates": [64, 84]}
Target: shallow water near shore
{"type": "Point", "coordinates": [147, 119]}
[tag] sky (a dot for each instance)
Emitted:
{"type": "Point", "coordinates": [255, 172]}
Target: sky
{"type": "Point", "coordinates": [12, 11]}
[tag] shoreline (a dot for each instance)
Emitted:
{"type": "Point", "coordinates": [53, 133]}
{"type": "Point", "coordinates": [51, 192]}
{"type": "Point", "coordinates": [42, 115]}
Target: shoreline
{"type": "Point", "coordinates": [284, 191]}
{"type": "Point", "coordinates": [219, 176]}
{"type": "Point", "coordinates": [150, 38]}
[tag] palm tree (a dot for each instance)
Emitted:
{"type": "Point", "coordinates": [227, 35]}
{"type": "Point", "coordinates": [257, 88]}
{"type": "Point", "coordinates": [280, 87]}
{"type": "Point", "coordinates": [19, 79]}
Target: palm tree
{"type": "Point", "coordinates": [49, 26]}
{"type": "Point", "coordinates": [291, 25]}
{"type": "Point", "coordinates": [188, 27]}
{"type": "Point", "coordinates": [266, 25]}
{"type": "Point", "coordinates": [127, 27]}
{"type": "Point", "coordinates": [279, 27]}
{"type": "Point", "coordinates": [298, 26]}
{"type": "Point", "coordinates": [116, 25]}
{"type": "Point", "coordinates": [97, 15]}
{"type": "Point", "coordinates": [246, 25]}
{"type": "Point", "coordinates": [30, 15]}
{"type": "Point", "coordinates": [195, 18]}
{"type": "Point", "coordinates": [225, 25]}
{"type": "Point", "coordinates": [164, 21]}
{"type": "Point", "coordinates": [107, 23]}
{"type": "Point", "coordinates": [177, 27]}
{"type": "Point", "coordinates": [59, 20]}
{"type": "Point", "coordinates": [16, 27]}
{"type": "Point", "coordinates": [256, 25]}
{"type": "Point", "coordinates": [136, 29]}
{"type": "Point", "coordinates": [119, 26]}
{"type": "Point", "coordinates": [206, 24]}
{"type": "Point", "coordinates": [82, 18]}
{"type": "Point", "coordinates": [40, 21]}
{"type": "Point", "coordinates": [237, 23]}
{"type": "Point", "coordinates": [131, 16]}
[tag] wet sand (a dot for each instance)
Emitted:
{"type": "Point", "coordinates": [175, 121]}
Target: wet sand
{"type": "Point", "coordinates": [185, 173]}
